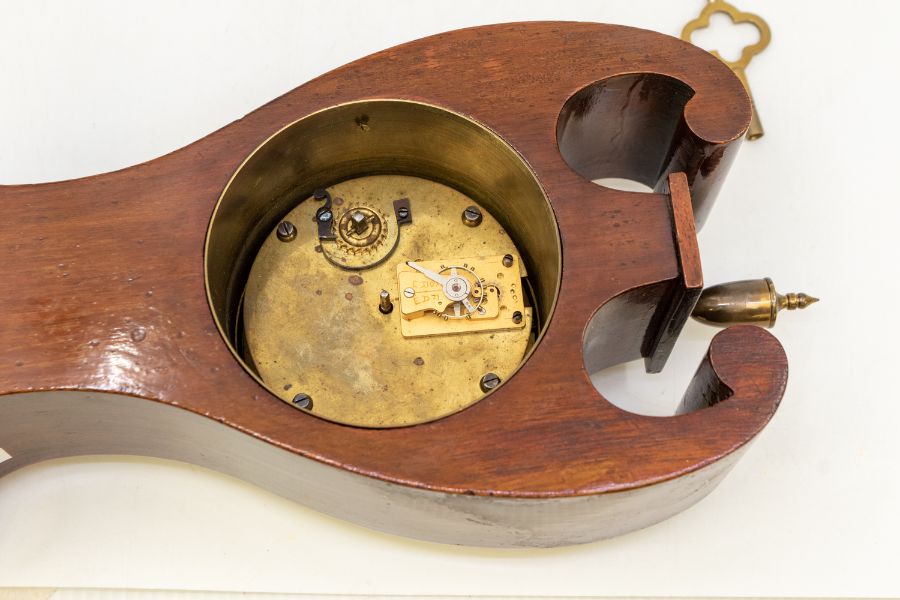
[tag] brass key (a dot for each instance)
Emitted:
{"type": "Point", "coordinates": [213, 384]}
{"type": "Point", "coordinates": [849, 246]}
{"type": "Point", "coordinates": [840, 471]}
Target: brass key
{"type": "Point", "coordinates": [720, 6]}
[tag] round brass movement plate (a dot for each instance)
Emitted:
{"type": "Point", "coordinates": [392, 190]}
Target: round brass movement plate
{"type": "Point", "coordinates": [315, 326]}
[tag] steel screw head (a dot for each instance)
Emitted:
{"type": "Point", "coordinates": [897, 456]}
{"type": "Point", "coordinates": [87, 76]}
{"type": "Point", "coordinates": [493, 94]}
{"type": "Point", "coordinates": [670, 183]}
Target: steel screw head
{"type": "Point", "coordinates": [517, 317]}
{"type": "Point", "coordinates": [286, 231]}
{"type": "Point", "coordinates": [409, 292]}
{"type": "Point", "coordinates": [302, 401]}
{"type": "Point", "coordinates": [472, 216]}
{"type": "Point", "coordinates": [403, 212]}
{"type": "Point", "coordinates": [325, 216]}
{"type": "Point", "coordinates": [320, 194]}
{"type": "Point", "coordinates": [508, 260]}
{"type": "Point", "coordinates": [489, 382]}
{"type": "Point", "coordinates": [358, 222]}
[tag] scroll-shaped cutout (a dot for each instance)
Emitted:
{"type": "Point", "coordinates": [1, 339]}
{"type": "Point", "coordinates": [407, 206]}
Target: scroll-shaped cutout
{"type": "Point", "coordinates": [631, 388]}
{"type": "Point", "coordinates": [744, 363]}
{"type": "Point", "coordinates": [621, 331]}
{"type": "Point", "coordinates": [623, 127]}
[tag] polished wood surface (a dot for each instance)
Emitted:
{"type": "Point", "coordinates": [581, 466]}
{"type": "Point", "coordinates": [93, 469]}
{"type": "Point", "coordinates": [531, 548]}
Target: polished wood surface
{"type": "Point", "coordinates": [102, 285]}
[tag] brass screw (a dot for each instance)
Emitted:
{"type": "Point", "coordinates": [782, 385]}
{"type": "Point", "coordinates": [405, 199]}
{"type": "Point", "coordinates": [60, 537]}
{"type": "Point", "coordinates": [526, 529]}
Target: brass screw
{"type": "Point", "coordinates": [472, 216]}
{"type": "Point", "coordinates": [286, 231]}
{"type": "Point", "coordinates": [489, 382]}
{"type": "Point", "coordinates": [384, 302]}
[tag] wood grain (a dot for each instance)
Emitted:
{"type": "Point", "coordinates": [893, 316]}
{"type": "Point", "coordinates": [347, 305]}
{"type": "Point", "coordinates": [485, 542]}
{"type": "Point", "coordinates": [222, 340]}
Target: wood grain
{"type": "Point", "coordinates": [102, 288]}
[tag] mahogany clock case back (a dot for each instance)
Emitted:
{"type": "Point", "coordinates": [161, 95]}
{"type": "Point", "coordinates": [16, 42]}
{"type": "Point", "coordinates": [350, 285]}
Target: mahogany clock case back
{"type": "Point", "coordinates": [381, 293]}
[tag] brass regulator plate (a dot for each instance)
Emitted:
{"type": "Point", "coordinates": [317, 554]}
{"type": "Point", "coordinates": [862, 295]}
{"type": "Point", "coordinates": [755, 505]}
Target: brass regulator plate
{"type": "Point", "coordinates": [319, 335]}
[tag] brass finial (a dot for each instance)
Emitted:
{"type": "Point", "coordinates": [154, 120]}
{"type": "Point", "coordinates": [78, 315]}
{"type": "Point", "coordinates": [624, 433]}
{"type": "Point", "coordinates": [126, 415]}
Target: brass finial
{"type": "Point", "coordinates": [752, 301]}
{"type": "Point", "coordinates": [792, 301]}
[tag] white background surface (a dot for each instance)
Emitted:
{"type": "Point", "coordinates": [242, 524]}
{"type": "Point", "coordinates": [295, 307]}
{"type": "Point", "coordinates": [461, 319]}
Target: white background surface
{"type": "Point", "coordinates": [812, 508]}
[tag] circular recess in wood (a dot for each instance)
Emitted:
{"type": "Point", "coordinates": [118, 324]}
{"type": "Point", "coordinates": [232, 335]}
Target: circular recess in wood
{"type": "Point", "coordinates": [425, 204]}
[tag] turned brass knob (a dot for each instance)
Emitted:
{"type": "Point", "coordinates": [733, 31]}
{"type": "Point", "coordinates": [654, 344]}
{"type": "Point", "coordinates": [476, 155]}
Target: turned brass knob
{"type": "Point", "coordinates": [752, 301]}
